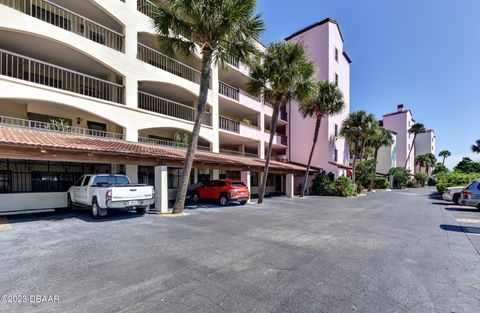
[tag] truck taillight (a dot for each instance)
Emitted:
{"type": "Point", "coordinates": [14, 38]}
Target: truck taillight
{"type": "Point", "coordinates": [108, 194]}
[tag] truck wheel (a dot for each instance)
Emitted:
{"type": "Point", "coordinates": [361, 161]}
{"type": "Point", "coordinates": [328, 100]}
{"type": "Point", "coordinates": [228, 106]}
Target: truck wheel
{"type": "Point", "coordinates": [141, 211]}
{"type": "Point", "coordinates": [69, 202]}
{"type": "Point", "coordinates": [195, 197]}
{"type": "Point", "coordinates": [478, 206]}
{"type": "Point", "coordinates": [243, 202]}
{"type": "Point", "coordinates": [224, 200]}
{"type": "Point", "coordinates": [456, 198]}
{"type": "Point", "coordinates": [97, 212]}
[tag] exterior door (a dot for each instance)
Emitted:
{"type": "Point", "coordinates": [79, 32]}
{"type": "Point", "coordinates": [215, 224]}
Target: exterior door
{"type": "Point", "coordinates": [76, 190]}
{"type": "Point", "coordinates": [83, 190]}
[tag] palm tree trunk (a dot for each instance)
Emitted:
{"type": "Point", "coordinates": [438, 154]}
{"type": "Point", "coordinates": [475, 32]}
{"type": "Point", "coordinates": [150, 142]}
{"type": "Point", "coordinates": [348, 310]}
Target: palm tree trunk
{"type": "Point", "coordinates": [315, 138]}
{"type": "Point", "coordinates": [354, 164]}
{"type": "Point", "coordinates": [410, 152]}
{"type": "Point", "coordinates": [192, 145]}
{"type": "Point", "coordinates": [273, 129]}
{"type": "Point", "coordinates": [443, 162]}
{"type": "Point", "coordinates": [375, 157]}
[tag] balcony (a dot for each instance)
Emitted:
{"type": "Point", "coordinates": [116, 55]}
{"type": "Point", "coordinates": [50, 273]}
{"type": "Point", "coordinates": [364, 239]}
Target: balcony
{"type": "Point", "coordinates": [69, 20]}
{"type": "Point", "coordinates": [238, 153]}
{"type": "Point", "coordinates": [229, 124]}
{"type": "Point", "coordinates": [146, 7]}
{"type": "Point", "coordinates": [39, 72]}
{"type": "Point", "coordinates": [169, 143]}
{"type": "Point", "coordinates": [166, 63]}
{"type": "Point", "coordinates": [6, 121]}
{"type": "Point", "coordinates": [284, 116]}
{"type": "Point", "coordinates": [229, 91]}
{"type": "Point", "coordinates": [171, 108]}
{"type": "Point", "coordinates": [278, 139]}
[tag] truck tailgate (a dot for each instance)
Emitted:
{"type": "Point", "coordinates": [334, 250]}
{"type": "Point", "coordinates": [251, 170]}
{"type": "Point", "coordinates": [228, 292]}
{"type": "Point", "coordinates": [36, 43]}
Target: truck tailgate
{"type": "Point", "coordinates": [127, 193]}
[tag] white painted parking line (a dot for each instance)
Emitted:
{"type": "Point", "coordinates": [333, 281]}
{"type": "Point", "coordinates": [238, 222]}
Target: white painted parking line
{"type": "Point", "coordinates": [468, 220]}
{"type": "Point", "coordinates": [4, 226]}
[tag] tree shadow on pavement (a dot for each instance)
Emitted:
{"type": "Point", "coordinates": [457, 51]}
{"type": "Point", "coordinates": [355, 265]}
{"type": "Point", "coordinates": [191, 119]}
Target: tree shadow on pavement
{"type": "Point", "coordinates": [442, 203]}
{"type": "Point", "coordinates": [461, 229]}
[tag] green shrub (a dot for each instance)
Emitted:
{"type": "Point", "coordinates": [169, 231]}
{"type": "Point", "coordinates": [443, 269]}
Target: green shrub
{"type": "Point", "coordinates": [467, 165]}
{"type": "Point", "coordinates": [365, 173]}
{"type": "Point", "coordinates": [439, 168]}
{"type": "Point", "coordinates": [381, 183]}
{"type": "Point", "coordinates": [323, 184]}
{"type": "Point", "coordinates": [401, 177]}
{"type": "Point", "coordinates": [344, 187]}
{"type": "Point", "coordinates": [445, 180]}
{"type": "Point", "coordinates": [421, 179]}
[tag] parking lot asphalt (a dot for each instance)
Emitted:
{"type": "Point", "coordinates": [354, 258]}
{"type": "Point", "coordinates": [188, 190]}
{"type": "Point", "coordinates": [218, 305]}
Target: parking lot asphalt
{"type": "Point", "coordinates": [401, 251]}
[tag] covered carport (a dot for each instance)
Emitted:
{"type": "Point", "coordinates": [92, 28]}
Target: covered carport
{"type": "Point", "coordinates": [28, 144]}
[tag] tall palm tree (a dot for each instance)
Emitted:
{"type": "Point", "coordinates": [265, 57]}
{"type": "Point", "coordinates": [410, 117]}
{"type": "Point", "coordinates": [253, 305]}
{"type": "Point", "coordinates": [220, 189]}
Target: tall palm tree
{"type": "Point", "coordinates": [445, 154]}
{"type": "Point", "coordinates": [356, 129]}
{"type": "Point", "coordinates": [380, 137]}
{"type": "Point", "coordinates": [416, 129]}
{"type": "Point", "coordinates": [284, 74]}
{"type": "Point", "coordinates": [476, 146]}
{"type": "Point", "coordinates": [421, 161]}
{"type": "Point", "coordinates": [222, 29]}
{"type": "Point", "coordinates": [430, 161]}
{"type": "Point", "coordinates": [329, 101]}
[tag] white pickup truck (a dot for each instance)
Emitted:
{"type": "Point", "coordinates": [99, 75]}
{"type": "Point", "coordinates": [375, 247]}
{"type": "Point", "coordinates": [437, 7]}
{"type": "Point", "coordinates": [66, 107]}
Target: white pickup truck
{"type": "Point", "coordinates": [100, 192]}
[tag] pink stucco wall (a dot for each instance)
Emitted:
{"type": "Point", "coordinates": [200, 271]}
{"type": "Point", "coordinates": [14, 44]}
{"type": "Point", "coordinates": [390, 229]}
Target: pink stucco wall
{"type": "Point", "coordinates": [320, 43]}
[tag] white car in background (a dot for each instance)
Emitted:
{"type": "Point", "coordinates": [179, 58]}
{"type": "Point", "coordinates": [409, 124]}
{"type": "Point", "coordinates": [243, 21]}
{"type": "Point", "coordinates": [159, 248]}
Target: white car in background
{"type": "Point", "coordinates": [452, 194]}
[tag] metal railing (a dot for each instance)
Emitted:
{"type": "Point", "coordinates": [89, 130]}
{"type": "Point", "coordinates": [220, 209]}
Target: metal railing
{"type": "Point", "coordinates": [53, 127]}
{"type": "Point", "coordinates": [169, 143]}
{"type": "Point", "coordinates": [146, 7]}
{"type": "Point", "coordinates": [283, 139]}
{"type": "Point", "coordinates": [166, 63]}
{"type": "Point", "coordinates": [238, 153]}
{"type": "Point", "coordinates": [164, 106]}
{"type": "Point", "coordinates": [61, 17]}
{"type": "Point", "coordinates": [233, 61]}
{"type": "Point", "coordinates": [229, 91]}
{"type": "Point", "coordinates": [229, 124]}
{"type": "Point", "coordinates": [25, 68]}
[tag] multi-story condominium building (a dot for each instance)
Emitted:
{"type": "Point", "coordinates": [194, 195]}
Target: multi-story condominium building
{"type": "Point", "coordinates": [400, 123]}
{"type": "Point", "coordinates": [84, 88]}
{"type": "Point", "coordinates": [424, 144]}
{"type": "Point", "coordinates": [324, 43]}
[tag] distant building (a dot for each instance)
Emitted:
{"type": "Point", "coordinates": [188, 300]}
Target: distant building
{"type": "Point", "coordinates": [387, 156]}
{"type": "Point", "coordinates": [324, 44]}
{"type": "Point", "coordinates": [424, 144]}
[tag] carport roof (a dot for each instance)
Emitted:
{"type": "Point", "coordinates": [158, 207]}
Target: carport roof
{"type": "Point", "coordinates": [23, 143]}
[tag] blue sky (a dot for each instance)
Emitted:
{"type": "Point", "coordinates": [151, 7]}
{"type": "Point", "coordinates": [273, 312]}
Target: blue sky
{"type": "Point", "coordinates": [422, 53]}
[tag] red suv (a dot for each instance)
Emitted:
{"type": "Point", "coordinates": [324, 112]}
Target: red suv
{"type": "Point", "coordinates": [223, 190]}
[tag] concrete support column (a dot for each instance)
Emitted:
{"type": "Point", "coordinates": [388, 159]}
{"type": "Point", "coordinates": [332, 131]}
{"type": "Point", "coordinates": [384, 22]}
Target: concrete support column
{"type": "Point", "coordinates": [246, 178]}
{"type": "Point", "coordinates": [132, 173]}
{"type": "Point", "coordinates": [261, 149]}
{"type": "Point", "coordinates": [216, 174]}
{"type": "Point", "coordinates": [131, 91]}
{"type": "Point", "coordinates": [290, 186]}
{"type": "Point", "coordinates": [131, 134]}
{"type": "Point", "coordinates": [195, 175]}
{"type": "Point", "coordinates": [161, 189]}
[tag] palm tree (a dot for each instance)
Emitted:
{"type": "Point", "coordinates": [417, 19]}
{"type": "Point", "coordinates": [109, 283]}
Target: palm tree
{"type": "Point", "coordinates": [329, 101]}
{"type": "Point", "coordinates": [476, 146]}
{"type": "Point", "coordinates": [356, 129]}
{"type": "Point", "coordinates": [381, 137]}
{"type": "Point", "coordinates": [416, 129]}
{"type": "Point", "coordinates": [421, 161]}
{"type": "Point", "coordinates": [283, 75]}
{"type": "Point", "coordinates": [445, 154]}
{"type": "Point", "coordinates": [430, 162]}
{"type": "Point", "coordinates": [222, 29]}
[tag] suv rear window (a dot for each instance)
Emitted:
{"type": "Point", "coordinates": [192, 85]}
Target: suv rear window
{"type": "Point", "coordinates": [238, 184]}
{"type": "Point", "coordinates": [110, 180]}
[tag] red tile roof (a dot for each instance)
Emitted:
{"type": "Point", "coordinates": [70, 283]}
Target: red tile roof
{"type": "Point", "coordinates": [10, 136]}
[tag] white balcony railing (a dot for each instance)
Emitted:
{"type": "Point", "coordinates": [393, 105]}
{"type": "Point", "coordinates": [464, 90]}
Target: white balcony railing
{"type": "Point", "coordinates": [6, 121]}
{"type": "Point", "coordinates": [171, 108]}
{"type": "Point", "coordinates": [169, 143]}
{"type": "Point", "coordinates": [229, 91]}
{"type": "Point", "coordinates": [64, 18]}
{"type": "Point", "coordinates": [35, 71]}
{"type": "Point", "coordinates": [239, 153]}
{"type": "Point", "coordinates": [166, 63]}
{"type": "Point", "coordinates": [146, 7]}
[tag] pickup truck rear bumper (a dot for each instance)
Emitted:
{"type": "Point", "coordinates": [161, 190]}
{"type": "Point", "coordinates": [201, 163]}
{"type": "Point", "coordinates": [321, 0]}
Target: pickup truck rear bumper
{"type": "Point", "coordinates": [129, 204]}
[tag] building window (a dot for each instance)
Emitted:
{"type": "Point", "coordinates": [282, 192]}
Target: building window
{"type": "Point", "coordinates": [5, 181]}
{"type": "Point", "coordinates": [336, 54]}
{"type": "Point", "coordinates": [336, 130]}
{"type": "Point", "coordinates": [254, 179]}
{"type": "Point", "coordinates": [336, 79]}
{"type": "Point", "coordinates": [336, 156]}
{"type": "Point", "coordinates": [174, 176]}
